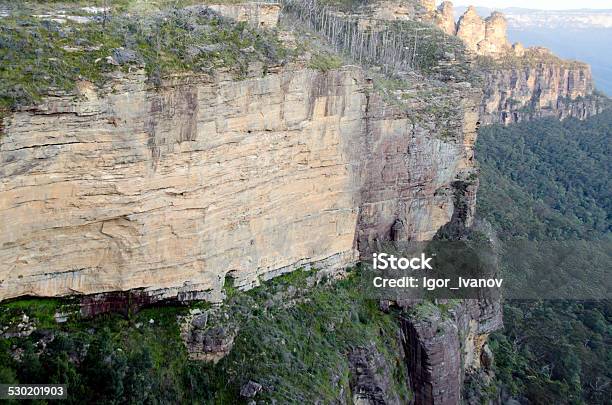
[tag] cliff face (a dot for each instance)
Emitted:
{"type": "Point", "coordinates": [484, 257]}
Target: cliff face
{"type": "Point", "coordinates": [544, 87]}
{"type": "Point", "coordinates": [412, 171]}
{"type": "Point", "coordinates": [441, 350]}
{"type": "Point", "coordinates": [169, 190]}
{"type": "Point", "coordinates": [258, 14]}
{"type": "Point", "coordinates": [519, 83]}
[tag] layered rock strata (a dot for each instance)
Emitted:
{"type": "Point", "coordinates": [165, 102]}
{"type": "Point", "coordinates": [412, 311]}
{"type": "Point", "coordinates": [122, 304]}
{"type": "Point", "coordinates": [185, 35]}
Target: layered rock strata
{"type": "Point", "coordinates": [519, 83]}
{"type": "Point", "coordinates": [170, 190]}
{"type": "Point", "coordinates": [441, 349]}
{"type": "Point", "coordinates": [538, 86]}
{"type": "Point", "coordinates": [413, 170]}
{"type": "Point", "coordinates": [259, 14]}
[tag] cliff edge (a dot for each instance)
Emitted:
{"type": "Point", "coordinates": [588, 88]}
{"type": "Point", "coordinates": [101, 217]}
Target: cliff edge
{"type": "Point", "coordinates": [519, 83]}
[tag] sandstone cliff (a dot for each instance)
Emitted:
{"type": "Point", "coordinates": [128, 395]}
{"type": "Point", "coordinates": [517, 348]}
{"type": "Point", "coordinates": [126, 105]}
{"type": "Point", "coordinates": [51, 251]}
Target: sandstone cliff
{"type": "Point", "coordinates": [171, 190]}
{"type": "Point", "coordinates": [538, 85]}
{"type": "Point", "coordinates": [519, 83]}
{"type": "Point", "coordinates": [441, 348]}
{"type": "Point", "coordinates": [484, 37]}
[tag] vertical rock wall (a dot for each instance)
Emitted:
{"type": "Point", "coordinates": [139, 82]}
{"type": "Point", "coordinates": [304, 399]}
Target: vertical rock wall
{"type": "Point", "coordinates": [170, 190]}
{"type": "Point", "coordinates": [544, 87]}
{"type": "Point", "coordinates": [441, 348]}
{"type": "Point", "coordinates": [409, 189]}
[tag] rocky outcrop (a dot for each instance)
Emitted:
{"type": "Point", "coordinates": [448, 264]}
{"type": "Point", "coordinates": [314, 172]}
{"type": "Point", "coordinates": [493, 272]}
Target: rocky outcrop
{"type": "Point", "coordinates": [471, 29]}
{"type": "Point", "coordinates": [258, 14]}
{"type": "Point", "coordinates": [540, 85]}
{"type": "Point", "coordinates": [445, 18]}
{"type": "Point", "coordinates": [204, 342]}
{"type": "Point", "coordinates": [166, 192]}
{"type": "Point", "coordinates": [442, 348]}
{"type": "Point", "coordinates": [428, 5]}
{"type": "Point", "coordinates": [496, 40]}
{"type": "Point", "coordinates": [484, 37]}
{"type": "Point", "coordinates": [371, 380]}
{"type": "Point", "coordinates": [519, 83]}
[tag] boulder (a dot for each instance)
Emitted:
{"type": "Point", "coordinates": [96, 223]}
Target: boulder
{"type": "Point", "coordinates": [250, 389]}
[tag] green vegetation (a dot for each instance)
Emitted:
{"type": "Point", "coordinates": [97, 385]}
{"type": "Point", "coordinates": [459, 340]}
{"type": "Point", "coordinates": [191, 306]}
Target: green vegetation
{"type": "Point", "coordinates": [547, 180]}
{"type": "Point", "coordinates": [39, 55]}
{"type": "Point", "coordinates": [550, 181]}
{"type": "Point", "coordinates": [294, 336]}
{"type": "Point", "coordinates": [43, 310]}
{"type": "Point", "coordinates": [556, 351]}
{"type": "Point", "coordinates": [533, 58]}
{"type": "Point", "coordinates": [325, 62]}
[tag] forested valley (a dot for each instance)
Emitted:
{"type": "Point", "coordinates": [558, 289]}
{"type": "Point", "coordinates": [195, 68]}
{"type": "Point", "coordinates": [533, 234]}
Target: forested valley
{"type": "Point", "coordinates": [549, 181]}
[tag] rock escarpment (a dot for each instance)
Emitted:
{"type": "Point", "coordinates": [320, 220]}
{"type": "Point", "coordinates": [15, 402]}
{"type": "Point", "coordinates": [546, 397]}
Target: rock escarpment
{"type": "Point", "coordinates": [442, 348]}
{"type": "Point", "coordinates": [407, 194]}
{"type": "Point", "coordinates": [520, 83]}
{"type": "Point", "coordinates": [169, 190]}
{"type": "Point", "coordinates": [538, 85]}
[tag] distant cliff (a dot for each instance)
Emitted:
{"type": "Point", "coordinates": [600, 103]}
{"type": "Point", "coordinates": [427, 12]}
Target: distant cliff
{"type": "Point", "coordinates": [519, 83]}
{"type": "Point", "coordinates": [538, 85]}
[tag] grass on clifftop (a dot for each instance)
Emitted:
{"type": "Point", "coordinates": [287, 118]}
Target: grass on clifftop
{"type": "Point", "coordinates": [532, 58]}
{"type": "Point", "coordinates": [39, 55]}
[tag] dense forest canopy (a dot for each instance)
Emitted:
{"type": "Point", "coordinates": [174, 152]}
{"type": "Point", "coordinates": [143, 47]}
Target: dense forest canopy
{"type": "Point", "coordinates": [549, 181]}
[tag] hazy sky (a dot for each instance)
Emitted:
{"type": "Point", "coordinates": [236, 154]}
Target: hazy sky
{"type": "Point", "coordinates": [538, 4]}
